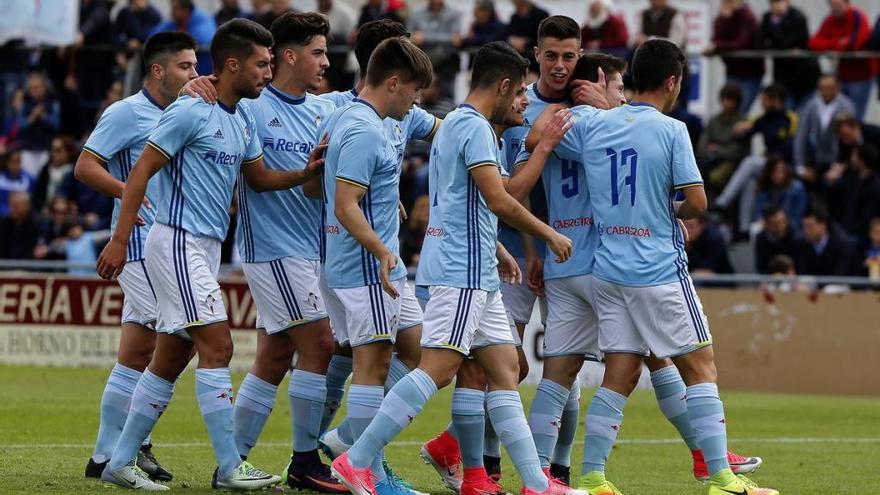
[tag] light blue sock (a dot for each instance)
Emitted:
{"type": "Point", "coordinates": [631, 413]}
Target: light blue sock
{"type": "Point", "coordinates": [214, 393]}
{"type": "Point", "coordinates": [396, 371]}
{"type": "Point", "coordinates": [402, 404]}
{"type": "Point", "coordinates": [545, 416]}
{"type": "Point", "coordinates": [450, 428]}
{"type": "Point", "coordinates": [672, 398]}
{"type": "Point", "coordinates": [307, 392]}
{"type": "Point", "coordinates": [114, 409]}
{"type": "Point", "coordinates": [338, 372]}
{"type": "Point", "coordinates": [344, 429]}
{"type": "Point", "coordinates": [149, 400]}
{"type": "Point", "coordinates": [506, 412]}
{"type": "Point", "coordinates": [469, 418]}
{"type": "Point", "coordinates": [363, 405]}
{"type": "Point", "coordinates": [568, 427]}
{"type": "Point", "coordinates": [256, 399]}
{"type": "Point", "coordinates": [491, 442]}
{"type": "Point", "coordinates": [603, 420]}
{"type": "Point", "coordinates": [707, 418]}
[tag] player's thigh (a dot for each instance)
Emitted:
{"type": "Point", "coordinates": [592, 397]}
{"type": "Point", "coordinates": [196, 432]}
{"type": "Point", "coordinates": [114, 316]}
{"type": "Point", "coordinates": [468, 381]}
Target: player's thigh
{"type": "Point", "coordinates": [286, 292]}
{"type": "Point", "coordinates": [518, 299]}
{"type": "Point", "coordinates": [617, 330]}
{"type": "Point", "coordinates": [670, 318]}
{"type": "Point", "coordinates": [493, 345]}
{"type": "Point", "coordinates": [572, 322]}
{"type": "Point", "coordinates": [136, 345]}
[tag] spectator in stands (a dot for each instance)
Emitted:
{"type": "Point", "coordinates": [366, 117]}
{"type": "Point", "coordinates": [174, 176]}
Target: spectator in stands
{"type": "Point", "coordinates": [414, 234]}
{"type": "Point", "coordinates": [342, 30]}
{"type": "Point", "coordinates": [38, 120]}
{"type": "Point", "coordinates": [374, 10]}
{"type": "Point", "coordinates": [824, 250]}
{"type": "Point", "coordinates": [661, 20]}
{"type": "Point", "coordinates": [781, 265]}
{"type": "Point", "coordinates": [59, 214]}
{"type": "Point", "coordinates": [91, 64]}
{"type": "Point", "coordinates": [134, 23]}
{"type": "Point", "coordinates": [816, 145]}
{"type": "Point", "coordinates": [61, 157]}
{"type": "Point", "coordinates": [851, 132]}
{"type": "Point", "coordinates": [871, 264]}
{"type": "Point", "coordinates": [778, 187]}
{"type": "Point", "coordinates": [603, 30]}
{"type": "Point", "coordinates": [706, 249]}
{"type": "Point", "coordinates": [277, 8]}
{"type": "Point", "coordinates": [19, 230]}
{"type": "Point", "coordinates": [719, 151]}
{"type": "Point", "coordinates": [853, 191]}
{"type": "Point", "coordinates": [436, 29]}
{"type": "Point", "coordinates": [734, 29]}
{"type": "Point", "coordinates": [9, 131]}
{"type": "Point", "coordinates": [692, 121]}
{"type": "Point", "coordinates": [777, 126]}
{"type": "Point", "coordinates": [229, 9]}
{"type": "Point", "coordinates": [846, 29]}
{"type": "Point", "coordinates": [775, 239]}
{"type": "Point", "coordinates": [13, 179]}
{"type": "Point", "coordinates": [784, 27]}
{"type": "Point", "coordinates": [79, 248]}
{"type": "Point", "coordinates": [185, 16]}
{"type": "Point", "coordinates": [486, 27]}
{"type": "Point", "coordinates": [93, 207]}
{"type": "Point", "coordinates": [522, 30]}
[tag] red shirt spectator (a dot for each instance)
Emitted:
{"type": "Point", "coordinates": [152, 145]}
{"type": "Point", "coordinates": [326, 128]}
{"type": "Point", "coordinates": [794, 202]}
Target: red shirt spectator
{"type": "Point", "coordinates": [734, 29]}
{"type": "Point", "coordinates": [603, 30]}
{"type": "Point", "coordinates": [846, 29]}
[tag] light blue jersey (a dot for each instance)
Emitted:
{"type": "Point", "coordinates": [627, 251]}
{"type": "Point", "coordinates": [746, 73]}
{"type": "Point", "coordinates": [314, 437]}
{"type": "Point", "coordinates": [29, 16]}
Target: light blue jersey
{"type": "Point", "coordinates": [358, 153]}
{"type": "Point", "coordinates": [569, 211]}
{"type": "Point", "coordinates": [118, 140]}
{"type": "Point", "coordinates": [460, 243]}
{"type": "Point", "coordinates": [635, 159]}
{"type": "Point", "coordinates": [513, 141]}
{"type": "Point", "coordinates": [277, 224]}
{"type": "Point", "coordinates": [206, 145]}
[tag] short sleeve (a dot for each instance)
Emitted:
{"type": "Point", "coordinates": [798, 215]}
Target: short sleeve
{"type": "Point", "coordinates": [253, 151]}
{"type": "Point", "coordinates": [522, 155]}
{"type": "Point", "coordinates": [684, 166]}
{"type": "Point", "coordinates": [571, 145]}
{"type": "Point", "coordinates": [177, 126]}
{"type": "Point", "coordinates": [480, 146]}
{"type": "Point", "coordinates": [117, 129]}
{"type": "Point", "coordinates": [423, 125]}
{"type": "Point", "coordinates": [362, 150]}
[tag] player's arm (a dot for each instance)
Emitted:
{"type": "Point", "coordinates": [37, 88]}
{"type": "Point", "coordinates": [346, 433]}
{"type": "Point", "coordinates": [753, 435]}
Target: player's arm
{"type": "Point", "coordinates": [510, 211]}
{"type": "Point", "coordinates": [260, 179]}
{"type": "Point", "coordinates": [347, 209]}
{"type": "Point", "coordinates": [694, 204]}
{"type": "Point", "coordinates": [529, 166]}
{"type": "Point", "coordinates": [90, 169]}
{"type": "Point", "coordinates": [112, 259]}
{"type": "Point", "coordinates": [686, 176]}
{"type": "Point", "coordinates": [536, 131]}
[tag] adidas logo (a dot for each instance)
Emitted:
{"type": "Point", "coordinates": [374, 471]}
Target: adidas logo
{"type": "Point", "coordinates": [218, 134]}
{"type": "Point", "coordinates": [274, 122]}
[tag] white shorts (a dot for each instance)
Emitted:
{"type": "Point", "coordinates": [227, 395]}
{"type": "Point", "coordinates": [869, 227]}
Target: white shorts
{"type": "Point", "coordinates": [183, 268]}
{"type": "Point", "coordinates": [370, 314]}
{"type": "Point", "coordinates": [465, 319]}
{"type": "Point", "coordinates": [666, 320]}
{"type": "Point", "coordinates": [285, 292]}
{"type": "Point", "coordinates": [334, 309]}
{"type": "Point", "coordinates": [411, 314]}
{"type": "Point", "coordinates": [519, 300]}
{"type": "Point", "coordinates": [572, 323]}
{"type": "Point", "coordinates": [139, 305]}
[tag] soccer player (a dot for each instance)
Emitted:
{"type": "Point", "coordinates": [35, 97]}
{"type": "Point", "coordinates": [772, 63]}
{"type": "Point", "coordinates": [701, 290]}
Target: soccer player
{"type": "Point", "coordinates": [465, 311]}
{"type": "Point", "coordinates": [361, 192]}
{"type": "Point", "coordinates": [208, 146]}
{"type": "Point", "coordinates": [106, 161]}
{"type": "Point", "coordinates": [636, 160]}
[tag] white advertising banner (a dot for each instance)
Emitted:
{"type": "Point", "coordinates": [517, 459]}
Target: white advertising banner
{"type": "Point", "coordinates": [48, 22]}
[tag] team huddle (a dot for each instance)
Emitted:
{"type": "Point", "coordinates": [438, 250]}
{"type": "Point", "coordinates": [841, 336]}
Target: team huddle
{"type": "Point", "coordinates": [561, 182]}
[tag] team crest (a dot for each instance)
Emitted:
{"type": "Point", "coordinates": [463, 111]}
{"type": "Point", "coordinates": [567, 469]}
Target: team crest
{"type": "Point", "coordinates": [317, 120]}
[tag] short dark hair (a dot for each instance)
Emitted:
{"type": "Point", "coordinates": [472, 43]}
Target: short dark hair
{"type": "Point", "coordinates": [399, 56]}
{"type": "Point", "coordinates": [654, 62]}
{"type": "Point", "coordinates": [781, 263]}
{"type": "Point", "coordinates": [588, 66]}
{"type": "Point", "coordinates": [495, 62]}
{"type": "Point", "coordinates": [776, 91]}
{"type": "Point", "coordinates": [236, 38]}
{"type": "Point", "coordinates": [297, 28]}
{"type": "Point", "coordinates": [731, 91]}
{"type": "Point", "coordinates": [770, 210]}
{"type": "Point", "coordinates": [819, 214]}
{"type": "Point", "coordinates": [162, 44]}
{"type": "Point", "coordinates": [560, 27]}
{"type": "Point", "coordinates": [186, 4]}
{"type": "Point", "coordinates": [370, 35]}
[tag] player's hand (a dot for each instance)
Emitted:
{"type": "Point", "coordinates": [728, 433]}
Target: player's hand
{"type": "Point", "coordinates": [388, 264]}
{"type": "Point", "coordinates": [555, 129]}
{"type": "Point", "coordinates": [535, 275]}
{"type": "Point", "coordinates": [112, 259]}
{"type": "Point", "coordinates": [201, 86]}
{"type": "Point", "coordinates": [561, 247]}
{"type": "Point", "coordinates": [590, 93]}
{"type": "Point", "coordinates": [401, 211]}
{"type": "Point", "coordinates": [316, 157]}
{"type": "Point", "coordinates": [508, 268]}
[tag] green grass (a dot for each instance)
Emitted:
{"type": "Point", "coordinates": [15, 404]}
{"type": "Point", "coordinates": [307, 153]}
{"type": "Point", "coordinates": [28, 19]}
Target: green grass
{"type": "Point", "coordinates": [810, 444]}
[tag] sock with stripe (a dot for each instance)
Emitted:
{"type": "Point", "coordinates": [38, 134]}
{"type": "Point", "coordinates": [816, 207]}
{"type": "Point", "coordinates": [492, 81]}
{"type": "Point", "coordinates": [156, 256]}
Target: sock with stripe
{"type": "Point", "coordinates": [707, 418]}
{"type": "Point", "coordinates": [114, 409]}
{"type": "Point", "coordinates": [214, 393]}
{"type": "Point", "coordinates": [148, 401]}
{"type": "Point", "coordinates": [306, 392]}
{"type": "Point", "coordinates": [338, 372]}
{"type": "Point", "coordinates": [544, 417]}
{"type": "Point", "coordinates": [256, 399]}
{"type": "Point", "coordinates": [469, 418]}
{"type": "Point", "coordinates": [402, 404]}
{"type": "Point", "coordinates": [364, 402]}
{"type": "Point", "coordinates": [506, 412]}
{"type": "Point", "coordinates": [603, 420]}
{"type": "Point", "coordinates": [671, 396]}
{"type": "Point", "coordinates": [396, 371]}
{"type": "Point", "coordinates": [568, 426]}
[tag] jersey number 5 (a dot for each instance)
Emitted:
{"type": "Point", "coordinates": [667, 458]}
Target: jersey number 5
{"type": "Point", "coordinates": [570, 178]}
{"type": "Point", "coordinates": [628, 157]}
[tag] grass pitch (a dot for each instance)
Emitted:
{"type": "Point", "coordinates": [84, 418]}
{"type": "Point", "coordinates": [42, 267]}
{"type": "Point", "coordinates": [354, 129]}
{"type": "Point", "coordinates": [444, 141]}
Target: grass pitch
{"type": "Point", "coordinates": [810, 444]}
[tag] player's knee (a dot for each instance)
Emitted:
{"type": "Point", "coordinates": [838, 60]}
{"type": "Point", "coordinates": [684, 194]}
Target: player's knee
{"type": "Point", "coordinates": [218, 354]}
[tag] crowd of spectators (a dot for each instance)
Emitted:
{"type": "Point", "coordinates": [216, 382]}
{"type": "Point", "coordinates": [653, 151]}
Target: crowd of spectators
{"type": "Point", "coordinates": [798, 179]}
